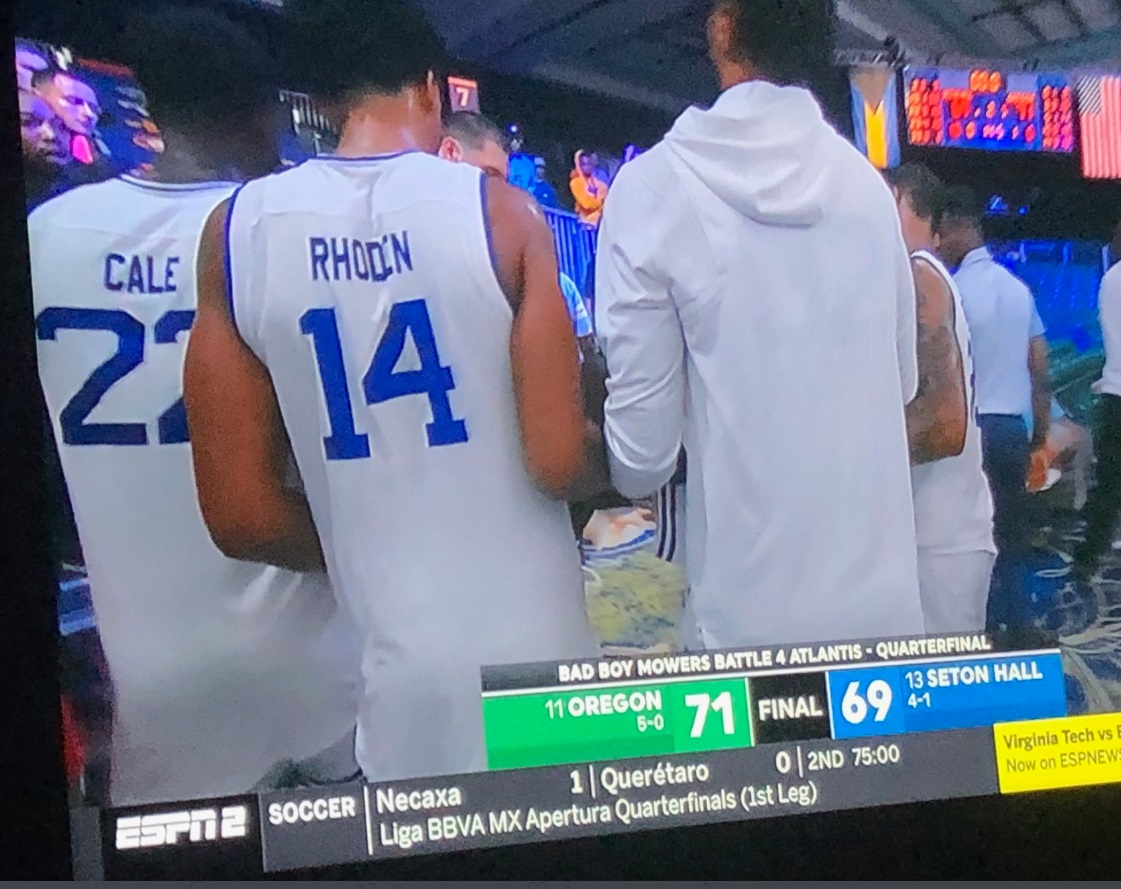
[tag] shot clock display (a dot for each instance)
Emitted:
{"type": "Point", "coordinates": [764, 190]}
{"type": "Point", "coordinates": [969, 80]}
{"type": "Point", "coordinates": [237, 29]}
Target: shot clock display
{"type": "Point", "coordinates": [989, 110]}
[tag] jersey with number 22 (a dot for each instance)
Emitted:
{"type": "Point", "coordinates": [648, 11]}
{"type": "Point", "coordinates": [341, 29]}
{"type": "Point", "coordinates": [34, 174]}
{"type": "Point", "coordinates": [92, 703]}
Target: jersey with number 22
{"type": "Point", "coordinates": [205, 652]}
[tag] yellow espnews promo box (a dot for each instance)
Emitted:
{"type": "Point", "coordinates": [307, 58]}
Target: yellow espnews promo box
{"type": "Point", "coordinates": [1050, 754]}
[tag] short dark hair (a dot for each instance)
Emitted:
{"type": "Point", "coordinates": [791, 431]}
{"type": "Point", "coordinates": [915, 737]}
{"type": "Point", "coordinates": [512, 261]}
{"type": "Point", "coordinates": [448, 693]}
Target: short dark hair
{"type": "Point", "coordinates": [924, 189]}
{"type": "Point", "coordinates": [788, 41]}
{"type": "Point", "coordinates": [198, 69]}
{"type": "Point", "coordinates": [961, 204]}
{"type": "Point", "coordinates": [475, 130]}
{"type": "Point", "coordinates": [45, 75]}
{"type": "Point", "coordinates": [343, 49]}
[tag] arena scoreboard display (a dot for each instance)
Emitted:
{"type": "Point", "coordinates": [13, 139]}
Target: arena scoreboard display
{"type": "Point", "coordinates": [990, 110]}
{"type": "Point", "coordinates": [653, 741]}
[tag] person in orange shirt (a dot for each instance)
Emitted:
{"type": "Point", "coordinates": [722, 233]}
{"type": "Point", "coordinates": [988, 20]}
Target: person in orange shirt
{"type": "Point", "coordinates": [588, 190]}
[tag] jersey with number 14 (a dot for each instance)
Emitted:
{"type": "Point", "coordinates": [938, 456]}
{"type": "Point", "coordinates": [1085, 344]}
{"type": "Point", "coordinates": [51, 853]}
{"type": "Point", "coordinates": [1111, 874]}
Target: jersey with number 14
{"type": "Point", "coordinates": [367, 288]}
{"type": "Point", "coordinates": [953, 504]}
{"type": "Point", "coordinates": [220, 668]}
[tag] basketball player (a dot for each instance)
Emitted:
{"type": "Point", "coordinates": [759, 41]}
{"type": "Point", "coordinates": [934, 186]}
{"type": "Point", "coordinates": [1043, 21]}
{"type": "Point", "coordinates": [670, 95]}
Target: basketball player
{"type": "Point", "coordinates": [953, 505]}
{"type": "Point", "coordinates": [755, 301]}
{"type": "Point", "coordinates": [221, 668]}
{"type": "Point", "coordinates": [398, 319]}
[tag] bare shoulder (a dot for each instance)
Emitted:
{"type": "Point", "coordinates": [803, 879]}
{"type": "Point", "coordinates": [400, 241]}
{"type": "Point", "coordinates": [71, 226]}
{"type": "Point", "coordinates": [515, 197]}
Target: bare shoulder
{"type": "Point", "coordinates": [212, 257]}
{"type": "Point", "coordinates": [511, 207]}
{"type": "Point", "coordinates": [933, 292]}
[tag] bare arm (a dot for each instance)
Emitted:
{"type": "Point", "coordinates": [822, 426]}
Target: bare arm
{"type": "Point", "coordinates": [557, 439]}
{"type": "Point", "coordinates": [1039, 363]}
{"type": "Point", "coordinates": [937, 418]}
{"type": "Point", "coordinates": [238, 439]}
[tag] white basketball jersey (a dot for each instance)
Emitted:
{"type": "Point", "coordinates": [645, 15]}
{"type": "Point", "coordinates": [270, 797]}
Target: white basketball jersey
{"type": "Point", "coordinates": [953, 504]}
{"type": "Point", "coordinates": [220, 668]}
{"type": "Point", "coordinates": [367, 288]}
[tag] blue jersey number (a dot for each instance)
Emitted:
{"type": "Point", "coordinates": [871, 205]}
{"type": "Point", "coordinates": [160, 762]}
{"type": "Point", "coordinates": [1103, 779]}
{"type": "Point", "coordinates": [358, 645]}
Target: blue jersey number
{"type": "Point", "coordinates": [383, 382]}
{"type": "Point", "coordinates": [130, 335]}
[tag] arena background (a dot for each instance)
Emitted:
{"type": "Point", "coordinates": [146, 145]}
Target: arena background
{"type": "Point", "coordinates": [1049, 226]}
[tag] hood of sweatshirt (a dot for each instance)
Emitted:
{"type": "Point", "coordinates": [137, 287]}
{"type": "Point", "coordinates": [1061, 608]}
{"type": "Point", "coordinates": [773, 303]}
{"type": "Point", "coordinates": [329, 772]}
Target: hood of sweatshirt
{"type": "Point", "coordinates": [762, 149]}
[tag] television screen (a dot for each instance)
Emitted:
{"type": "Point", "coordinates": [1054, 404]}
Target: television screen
{"type": "Point", "coordinates": [369, 547]}
{"type": "Point", "coordinates": [989, 110]}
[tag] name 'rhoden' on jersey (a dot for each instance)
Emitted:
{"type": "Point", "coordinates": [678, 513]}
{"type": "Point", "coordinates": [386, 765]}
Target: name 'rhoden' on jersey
{"type": "Point", "coordinates": [351, 259]}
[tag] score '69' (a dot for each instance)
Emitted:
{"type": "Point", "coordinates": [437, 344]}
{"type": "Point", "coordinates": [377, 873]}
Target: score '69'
{"type": "Point", "coordinates": [854, 705]}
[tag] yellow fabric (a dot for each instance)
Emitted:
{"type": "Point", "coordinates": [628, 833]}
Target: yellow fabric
{"type": "Point", "coordinates": [875, 130]}
{"type": "Point", "coordinates": [589, 207]}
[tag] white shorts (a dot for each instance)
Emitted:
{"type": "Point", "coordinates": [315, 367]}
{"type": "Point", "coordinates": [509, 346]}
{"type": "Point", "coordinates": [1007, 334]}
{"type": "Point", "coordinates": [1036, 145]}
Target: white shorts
{"type": "Point", "coordinates": [954, 588]}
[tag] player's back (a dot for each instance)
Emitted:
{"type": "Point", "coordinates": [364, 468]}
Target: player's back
{"type": "Point", "coordinates": [367, 287]}
{"type": "Point", "coordinates": [780, 249]}
{"type": "Point", "coordinates": [220, 668]}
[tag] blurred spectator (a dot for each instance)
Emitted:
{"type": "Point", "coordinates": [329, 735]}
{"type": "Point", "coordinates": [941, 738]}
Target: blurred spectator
{"type": "Point", "coordinates": [522, 172]}
{"type": "Point", "coordinates": [40, 132]}
{"type": "Point", "coordinates": [588, 190]}
{"type": "Point", "coordinates": [29, 60]}
{"type": "Point", "coordinates": [77, 106]}
{"type": "Point", "coordinates": [542, 190]}
{"type": "Point", "coordinates": [48, 168]}
{"type": "Point", "coordinates": [473, 139]}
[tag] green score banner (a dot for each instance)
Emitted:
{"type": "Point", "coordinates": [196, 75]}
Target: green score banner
{"type": "Point", "coordinates": [592, 724]}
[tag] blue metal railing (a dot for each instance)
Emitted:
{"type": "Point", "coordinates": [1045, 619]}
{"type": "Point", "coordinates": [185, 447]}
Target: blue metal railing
{"type": "Point", "coordinates": [575, 242]}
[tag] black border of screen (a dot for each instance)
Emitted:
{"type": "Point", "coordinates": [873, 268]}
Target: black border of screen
{"type": "Point", "coordinates": [1058, 835]}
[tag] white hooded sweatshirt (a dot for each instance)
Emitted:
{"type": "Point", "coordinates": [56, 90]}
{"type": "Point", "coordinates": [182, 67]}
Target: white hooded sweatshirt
{"type": "Point", "coordinates": [756, 305]}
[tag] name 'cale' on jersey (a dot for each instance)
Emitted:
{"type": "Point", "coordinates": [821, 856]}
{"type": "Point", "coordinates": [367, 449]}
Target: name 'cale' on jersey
{"type": "Point", "coordinates": [206, 653]}
{"type": "Point", "coordinates": [367, 288]}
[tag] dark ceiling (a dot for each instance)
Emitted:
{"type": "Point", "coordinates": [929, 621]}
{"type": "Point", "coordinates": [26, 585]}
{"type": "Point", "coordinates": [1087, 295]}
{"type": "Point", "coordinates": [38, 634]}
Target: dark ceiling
{"type": "Point", "coordinates": [653, 50]}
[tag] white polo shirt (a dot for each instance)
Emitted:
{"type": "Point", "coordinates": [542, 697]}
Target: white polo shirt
{"type": "Point", "coordinates": [1002, 320]}
{"type": "Point", "coordinates": [1109, 309]}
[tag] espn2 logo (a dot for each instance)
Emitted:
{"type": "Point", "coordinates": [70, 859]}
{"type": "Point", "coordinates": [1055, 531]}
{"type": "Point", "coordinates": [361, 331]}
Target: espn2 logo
{"type": "Point", "coordinates": [198, 826]}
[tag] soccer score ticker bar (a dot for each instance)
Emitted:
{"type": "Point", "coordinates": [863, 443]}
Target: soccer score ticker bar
{"type": "Point", "coordinates": [989, 110]}
{"type": "Point", "coordinates": [695, 703]}
{"type": "Point", "coordinates": [591, 747]}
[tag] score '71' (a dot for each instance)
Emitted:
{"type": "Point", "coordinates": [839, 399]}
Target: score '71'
{"type": "Point", "coordinates": [702, 703]}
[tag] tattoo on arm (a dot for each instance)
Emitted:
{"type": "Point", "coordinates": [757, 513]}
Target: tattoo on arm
{"type": "Point", "coordinates": [937, 418]}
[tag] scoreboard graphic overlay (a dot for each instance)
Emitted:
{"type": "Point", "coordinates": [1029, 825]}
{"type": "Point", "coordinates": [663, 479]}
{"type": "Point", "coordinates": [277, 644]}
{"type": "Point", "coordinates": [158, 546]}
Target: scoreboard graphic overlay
{"type": "Point", "coordinates": [673, 704]}
{"type": "Point", "coordinates": [990, 110]}
{"type": "Point", "coordinates": [653, 741]}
